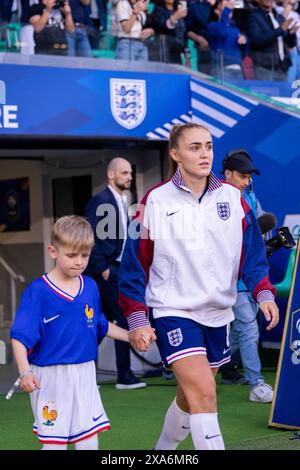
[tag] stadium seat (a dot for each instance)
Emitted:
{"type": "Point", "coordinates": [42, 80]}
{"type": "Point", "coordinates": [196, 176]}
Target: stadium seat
{"type": "Point", "coordinates": [13, 37]}
{"type": "Point", "coordinates": [107, 47]}
{"type": "Point", "coordinates": [193, 51]}
{"type": "Point", "coordinates": [103, 54]}
{"type": "Point", "coordinates": [151, 7]}
{"type": "Point", "coordinates": [283, 287]}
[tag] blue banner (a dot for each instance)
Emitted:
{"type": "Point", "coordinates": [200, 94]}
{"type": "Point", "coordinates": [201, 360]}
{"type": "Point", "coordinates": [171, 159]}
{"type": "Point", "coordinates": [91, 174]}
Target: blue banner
{"type": "Point", "coordinates": [82, 102]}
{"type": "Point", "coordinates": [285, 410]}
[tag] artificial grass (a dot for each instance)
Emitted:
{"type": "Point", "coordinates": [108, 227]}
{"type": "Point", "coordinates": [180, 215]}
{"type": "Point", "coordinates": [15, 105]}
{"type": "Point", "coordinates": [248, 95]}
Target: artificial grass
{"type": "Point", "coordinates": [136, 418]}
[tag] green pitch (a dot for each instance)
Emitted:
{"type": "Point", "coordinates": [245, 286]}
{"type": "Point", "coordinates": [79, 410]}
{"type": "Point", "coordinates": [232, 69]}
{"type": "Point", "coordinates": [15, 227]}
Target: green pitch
{"type": "Point", "coordinates": [136, 418]}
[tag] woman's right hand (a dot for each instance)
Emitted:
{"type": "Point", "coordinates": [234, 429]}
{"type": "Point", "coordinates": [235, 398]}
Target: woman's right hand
{"type": "Point", "coordinates": [140, 6]}
{"type": "Point", "coordinates": [180, 13]}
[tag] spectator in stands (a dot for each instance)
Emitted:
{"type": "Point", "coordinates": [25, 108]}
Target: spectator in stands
{"type": "Point", "coordinates": [98, 18]}
{"type": "Point", "coordinates": [131, 16]}
{"type": "Point", "coordinates": [78, 42]}
{"type": "Point", "coordinates": [198, 17]}
{"type": "Point", "coordinates": [287, 8]}
{"type": "Point", "coordinates": [167, 20]}
{"type": "Point", "coordinates": [50, 20]}
{"type": "Point", "coordinates": [227, 43]}
{"type": "Point", "coordinates": [270, 40]}
{"type": "Point", "coordinates": [244, 333]}
{"type": "Point", "coordinates": [114, 27]}
{"type": "Point", "coordinates": [22, 15]}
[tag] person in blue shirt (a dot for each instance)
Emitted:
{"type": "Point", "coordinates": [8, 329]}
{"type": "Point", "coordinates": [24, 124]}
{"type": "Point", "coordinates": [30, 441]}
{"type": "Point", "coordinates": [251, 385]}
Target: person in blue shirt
{"type": "Point", "coordinates": [226, 39]}
{"type": "Point", "coordinates": [244, 335]}
{"type": "Point", "coordinates": [55, 337]}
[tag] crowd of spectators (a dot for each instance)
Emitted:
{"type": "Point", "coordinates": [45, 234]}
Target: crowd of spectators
{"type": "Point", "coordinates": [237, 39]}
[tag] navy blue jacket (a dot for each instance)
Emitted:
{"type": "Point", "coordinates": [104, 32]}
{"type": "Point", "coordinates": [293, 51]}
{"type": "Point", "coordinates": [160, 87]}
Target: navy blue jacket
{"type": "Point", "coordinates": [223, 35]}
{"type": "Point", "coordinates": [198, 17]}
{"type": "Point", "coordinates": [106, 250]}
{"type": "Point", "coordinates": [263, 40]}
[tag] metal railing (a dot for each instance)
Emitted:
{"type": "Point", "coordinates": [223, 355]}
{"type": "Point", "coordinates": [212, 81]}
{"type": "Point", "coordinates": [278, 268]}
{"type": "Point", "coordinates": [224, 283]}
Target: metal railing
{"type": "Point", "coordinates": [13, 277]}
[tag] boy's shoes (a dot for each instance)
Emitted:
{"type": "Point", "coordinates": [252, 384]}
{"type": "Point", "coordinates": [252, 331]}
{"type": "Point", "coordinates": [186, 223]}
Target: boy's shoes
{"type": "Point", "coordinates": [129, 382]}
{"type": "Point", "coordinates": [230, 375]}
{"type": "Point", "coordinates": [261, 392]}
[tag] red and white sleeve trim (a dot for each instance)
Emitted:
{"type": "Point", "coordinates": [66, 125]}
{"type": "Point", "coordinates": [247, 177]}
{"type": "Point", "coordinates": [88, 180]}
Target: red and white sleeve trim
{"type": "Point", "coordinates": [137, 320]}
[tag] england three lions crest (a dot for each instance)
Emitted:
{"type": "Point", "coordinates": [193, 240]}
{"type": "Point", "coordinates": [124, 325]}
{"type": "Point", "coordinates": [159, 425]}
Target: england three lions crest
{"type": "Point", "coordinates": [175, 337]}
{"type": "Point", "coordinates": [128, 101]}
{"type": "Point", "coordinates": [223, 210]}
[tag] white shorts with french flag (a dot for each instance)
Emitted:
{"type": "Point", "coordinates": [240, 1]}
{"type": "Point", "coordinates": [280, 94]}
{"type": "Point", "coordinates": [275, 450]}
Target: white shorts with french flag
{"type": "Point", "coordinates": [68, 406]}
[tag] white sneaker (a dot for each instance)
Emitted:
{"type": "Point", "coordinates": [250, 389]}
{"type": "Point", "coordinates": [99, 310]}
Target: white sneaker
{"type": "Point", "coordinates": [262, 393]}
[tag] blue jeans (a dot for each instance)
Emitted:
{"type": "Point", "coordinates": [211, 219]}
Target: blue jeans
{"type": "Point", "coordinates": [294, 70]}
{"type": "Point", "coordinates": [130, 49]}
{"type": "Point", "coordinates": [78, 43]}
{"type": "Point", "coordinates": [244, 336]}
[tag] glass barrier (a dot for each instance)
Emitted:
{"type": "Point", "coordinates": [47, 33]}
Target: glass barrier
{"type": "Point", "coordinates": [88, 41]}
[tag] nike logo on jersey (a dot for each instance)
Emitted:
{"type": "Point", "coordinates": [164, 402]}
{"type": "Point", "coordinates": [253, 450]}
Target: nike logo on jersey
{"type": "Point", "coordinates": [96, 419]}
{"type": "Point", "coordinates": [226, 350]}
{"type": "Point", "coordinates": [48, 320]}
{"type": "Point", "coordinates": [210, 437]}
{"type": "Point", "coordinates": [172, 213]}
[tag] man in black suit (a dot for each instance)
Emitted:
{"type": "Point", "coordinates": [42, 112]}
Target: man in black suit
{"type": "Point", "coordinates": [107, 213]}
{"type": "Point", "coordinates": [271, 36]}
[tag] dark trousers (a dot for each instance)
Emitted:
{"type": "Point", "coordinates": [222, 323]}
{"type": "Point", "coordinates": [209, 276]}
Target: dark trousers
{"type": "Point", "coordinates": [109, 291]}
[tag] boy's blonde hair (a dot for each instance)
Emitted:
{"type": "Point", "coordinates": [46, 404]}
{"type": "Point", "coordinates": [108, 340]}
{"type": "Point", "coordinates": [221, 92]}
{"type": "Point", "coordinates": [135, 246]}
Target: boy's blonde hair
{"type": "Point", "coordinates": [73, 231]}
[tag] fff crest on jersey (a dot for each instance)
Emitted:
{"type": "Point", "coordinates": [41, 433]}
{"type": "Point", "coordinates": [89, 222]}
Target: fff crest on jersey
{"type": "Point", "coordinates": [295, 331]}
{"type": "Point", "coordinates": [175, 337]}
{"type": "Point", "coordinates": [128, 101]}
{"type": "Point", "coordinates": [223, 210]}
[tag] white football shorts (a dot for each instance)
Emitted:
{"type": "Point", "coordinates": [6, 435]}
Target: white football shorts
{"type": "Point", "coordinates": [68, 406]}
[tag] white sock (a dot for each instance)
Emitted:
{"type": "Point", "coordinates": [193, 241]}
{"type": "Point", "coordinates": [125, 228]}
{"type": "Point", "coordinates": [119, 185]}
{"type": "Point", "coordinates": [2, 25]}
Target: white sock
{"type": "Point", "coordinates": [54, 447]}
{"type": "Point", "coordinates": [206, 433]}
{"type": "Point", "coordinates": [88, 444]}
{"type": "Point", "coordinates": [175, 429]}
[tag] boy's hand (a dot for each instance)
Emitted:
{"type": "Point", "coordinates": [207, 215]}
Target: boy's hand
{"type": "Point", "coordinates": [142, 337]}
{"type": "Point", "coordinates": [30, 382]}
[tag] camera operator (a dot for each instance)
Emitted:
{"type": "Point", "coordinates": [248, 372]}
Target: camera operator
{"type": "Point", "coordinates": [244, 335]}
{"type": "Point", "coordinates": [50, 20]}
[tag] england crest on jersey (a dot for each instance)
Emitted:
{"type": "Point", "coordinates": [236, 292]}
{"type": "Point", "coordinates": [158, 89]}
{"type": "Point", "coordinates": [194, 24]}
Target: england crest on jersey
{"type": "Point", "coordinates": [223, 210]}
{"type": "Point", "coordinates": [128, 101]}
{"type": "Point", "coordinates": [175, 337]}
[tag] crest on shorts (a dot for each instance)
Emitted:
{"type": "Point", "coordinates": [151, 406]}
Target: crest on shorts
{"type": "Point", "coordinates": [175, 337]}
{"type": "Point", "coordinates": [49, 414]}
{"type": "Point", "coordinates": [223, 210]}
{"type": "Point", "coordinates": [128, 101]}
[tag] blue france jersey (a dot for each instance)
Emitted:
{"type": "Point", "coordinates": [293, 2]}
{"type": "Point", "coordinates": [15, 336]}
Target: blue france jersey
{"type": "Point", "coordinates": [58, 328]}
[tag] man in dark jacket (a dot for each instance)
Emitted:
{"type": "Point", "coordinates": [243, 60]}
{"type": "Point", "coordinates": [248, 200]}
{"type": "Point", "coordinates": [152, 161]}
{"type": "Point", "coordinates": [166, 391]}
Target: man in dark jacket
{"type": "Point", "coordinates": [197, 20]}
{"type": "Point", "coordinates": [270, 40]}
{"type": "Point", "coordinates": [107, 213]}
